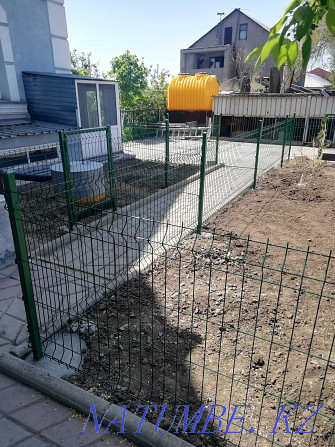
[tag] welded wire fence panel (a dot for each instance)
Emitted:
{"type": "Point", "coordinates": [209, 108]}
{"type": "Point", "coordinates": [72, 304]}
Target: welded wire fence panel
{"type": "Point", "coordinates": [243, 158]}
{"type": "Point", "coordinates": [130, 171]}
{"type": "Point", "coordinates": [134, 117]}
{"type": "Point", "coordinates": [156, 314]}
{"type": "Point", "coordinates": [274, 145]}
{"type": "Point", "coordinates": [32, 167]}
{"type": "Point", "coordinates": [142, 179]}
{"type": "Point", "coordinates": [154, 171]}
{"type": "Point", "coordinates": [306, 131]}
{"type": "Point", "coordinates": [88, 175]}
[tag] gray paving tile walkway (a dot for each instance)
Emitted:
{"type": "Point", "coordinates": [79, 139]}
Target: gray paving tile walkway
{"type": "Point", "coordinates": [30, 419]}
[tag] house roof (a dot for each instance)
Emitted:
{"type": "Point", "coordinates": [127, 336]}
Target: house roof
{"type": "Point", "coordinates": [314, 81]}
{"type": "Point", "coordinates": [241, 12]}
{"type": "Point", "coordinates": [68, 76]}
{"type": "Point", "coordinates": [320, 72]}
{"type": "Point", "coordinates": [20, 128]}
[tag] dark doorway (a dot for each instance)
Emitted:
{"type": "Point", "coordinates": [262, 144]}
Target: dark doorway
{"type": "Point", "coordinates": [228, 31]}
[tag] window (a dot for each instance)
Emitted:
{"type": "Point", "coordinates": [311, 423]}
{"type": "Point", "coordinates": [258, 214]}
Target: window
{"type": "Point", "coordinates": [88, 105]}
{"type": "Point", "coordinates": [94, 111]}
{"type": "Point", "coordinates": [243, 31]}
{"type": "Point", "coordinates": [216, 62]}
{"type": "Point", "coordinates": [108, 105]}
{"type": "Point", "coordinates": [228, 32]}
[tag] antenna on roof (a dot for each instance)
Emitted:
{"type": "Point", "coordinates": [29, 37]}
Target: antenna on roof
{"type": "Point", "coordinates": [220, 14]}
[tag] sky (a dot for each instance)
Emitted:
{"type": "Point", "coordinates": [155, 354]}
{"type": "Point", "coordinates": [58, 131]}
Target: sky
{"type": "Point", "coordinates": [155, 30]}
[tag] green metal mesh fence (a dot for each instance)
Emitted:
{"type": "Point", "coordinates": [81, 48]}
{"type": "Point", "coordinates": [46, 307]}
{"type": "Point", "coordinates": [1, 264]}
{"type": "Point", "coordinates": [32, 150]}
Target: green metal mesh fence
{"type": "Point", "coordinates": [148, 312]}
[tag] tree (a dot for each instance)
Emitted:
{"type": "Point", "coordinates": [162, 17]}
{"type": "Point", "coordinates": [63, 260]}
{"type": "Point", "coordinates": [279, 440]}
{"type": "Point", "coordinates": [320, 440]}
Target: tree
{"type": "Point", "coordinates": [244, 70]}
{"type": "Point", "coordinates": [299, 23]}
{"type": "Point", "coordinates": [132, 76]}
{"type": "Point", "coordinates": [81, 64]}
{"type": "Point", "coordinates": [155, 96]}
{"type": "Point", "coordinates": [323, 45]}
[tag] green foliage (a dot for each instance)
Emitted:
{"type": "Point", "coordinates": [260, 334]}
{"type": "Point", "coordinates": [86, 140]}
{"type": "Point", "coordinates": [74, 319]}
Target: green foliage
{"type": "Point", "coordinates": [300, 21]}
{"type": "Point", "coordinates": [332, 78]}
{"type": "Point", "coordinates": [137, 132]}
{"type": "Point", "coordinates": [155, 96]}
{"type": "Point", "coordinates": [323, 42]}
{"type": "Point", "coordinates": [132, 76]}
{"type": "Point", "coordinates": [81, 64]}
{"type": "Point", "coordinates": [141, 89]}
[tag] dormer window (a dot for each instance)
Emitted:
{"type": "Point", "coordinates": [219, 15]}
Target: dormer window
{"type": "Point", "coordinates": [243, 31]}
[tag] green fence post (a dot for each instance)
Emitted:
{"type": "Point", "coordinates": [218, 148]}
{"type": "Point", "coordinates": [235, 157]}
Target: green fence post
{"type": "Point", "coordinates": [64, 150]}
{"type": "Point", "coordinates": [259, 136]}
{"type": "Point", "coordinates": [111, 173]}
{"type": "Point", "coordinates": [167, 150]}
{"type": "Point", "coordinates": [284, 142]}
{"type": "Point", "coordinates": [202, 181]}
{"type": "Point", "coordinates": [15, 218]}
{"type": "Point", "coordinates": [218, 125]}
{"type": "Point", "coordinates": [291, 136]}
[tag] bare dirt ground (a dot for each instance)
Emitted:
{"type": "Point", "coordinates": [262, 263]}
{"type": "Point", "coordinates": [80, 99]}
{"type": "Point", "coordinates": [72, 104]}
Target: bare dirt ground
{"type": "Point", "coordinates": [286, 207]}
{"type": "Point", "coordinates": [232, 320]}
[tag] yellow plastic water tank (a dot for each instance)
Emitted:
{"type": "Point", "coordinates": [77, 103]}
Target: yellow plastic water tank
{"type": "Point", "coordinates": [188, 92]}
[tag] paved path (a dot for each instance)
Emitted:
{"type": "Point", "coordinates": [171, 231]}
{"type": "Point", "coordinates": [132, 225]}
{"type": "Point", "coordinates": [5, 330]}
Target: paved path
{"type": "Point", "coordinates": [13, 327]}
{"type": "Point", "coordinates": [29, 419]}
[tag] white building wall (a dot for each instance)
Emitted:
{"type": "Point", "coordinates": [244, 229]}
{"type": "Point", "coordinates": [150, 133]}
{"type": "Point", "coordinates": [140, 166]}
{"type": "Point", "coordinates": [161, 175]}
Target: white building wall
{"type": "Point", "coordinates": [9, 72]}
{"type": "Point", "coordinates": [59, 35]}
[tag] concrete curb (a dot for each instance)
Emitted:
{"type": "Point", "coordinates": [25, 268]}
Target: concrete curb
{"type": "Point", "coordinates": [80, 400]}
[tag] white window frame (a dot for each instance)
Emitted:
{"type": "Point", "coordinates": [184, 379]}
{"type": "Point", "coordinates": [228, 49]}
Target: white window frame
{"type": "Point", "coordinates": [97, 83]}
